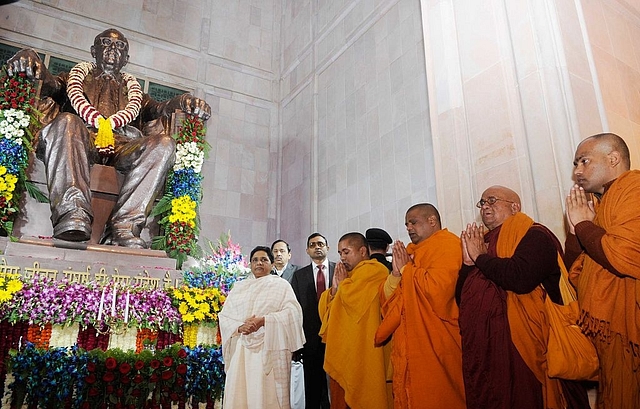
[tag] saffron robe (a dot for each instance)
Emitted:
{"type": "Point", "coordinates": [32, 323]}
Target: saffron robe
{"type": "Point", "coordinates": [502, 319]}
{"type": "Point", "coordinates": [258, 365]}
{"type": "Point", "coordinates": [610, 297]}
{"type": "Point", "coordinates": [349, 324]}
{"type": "Point", "coordinates": [422, 315]}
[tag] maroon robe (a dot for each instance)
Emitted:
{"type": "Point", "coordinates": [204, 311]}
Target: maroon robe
{"type": "Point", "coordinates": [495, 375]}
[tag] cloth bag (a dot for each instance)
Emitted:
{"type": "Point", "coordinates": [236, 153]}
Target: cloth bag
{"type": "Point", "coordinates": [297, 385]}
{"type": "Point", "coordinates": [570, 354]}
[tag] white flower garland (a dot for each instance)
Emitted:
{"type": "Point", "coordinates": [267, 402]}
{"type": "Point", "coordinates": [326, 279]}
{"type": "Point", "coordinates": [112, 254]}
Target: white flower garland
{"type": "Point", "coordinates": [104, 140]}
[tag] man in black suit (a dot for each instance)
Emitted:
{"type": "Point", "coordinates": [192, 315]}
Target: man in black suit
{"type": "Point", "coordinates": [308, 283]}
{"type": "Point", "coordinates": [281, 256]}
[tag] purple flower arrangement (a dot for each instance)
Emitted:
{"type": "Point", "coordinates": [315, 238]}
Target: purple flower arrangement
{"type": "Point", "coordinates": [46, 301]}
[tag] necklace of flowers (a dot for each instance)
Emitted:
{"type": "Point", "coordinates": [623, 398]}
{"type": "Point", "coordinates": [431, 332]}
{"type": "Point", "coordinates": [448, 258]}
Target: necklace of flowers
{"type": "Point", "coordinates": [75, 91]}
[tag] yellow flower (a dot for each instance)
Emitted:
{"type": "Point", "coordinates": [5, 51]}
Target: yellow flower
{"type": "Point", "coordinates": [205, 308]}
{"type": "Point", "coordinates": [3, 170]}
{"type": "Point", "coordinates": [187, 317]}
{"type": "Point", "coordinates": [4, 296]}
{"type": "Point", "coordinates": [8, 196]}
{"type": "Point", "coordinates": [199, 315]}
{"type": "Point", "coordinates": [11, 178]}
{"type": "Point", "coordinates": [14, 286]}
{"type": "Point", "coordinates": [200, 297]}
{"type": "Point", "coordinates": [1, 281]}
{"type": "Point", "coordinates": [177, 294]}
{"type": "Point", "coordinates": [183, 308]}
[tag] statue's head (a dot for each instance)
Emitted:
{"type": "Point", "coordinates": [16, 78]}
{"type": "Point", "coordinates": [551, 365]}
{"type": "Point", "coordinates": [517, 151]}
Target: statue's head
{"type": "Point", "coordinates": [111, 51]}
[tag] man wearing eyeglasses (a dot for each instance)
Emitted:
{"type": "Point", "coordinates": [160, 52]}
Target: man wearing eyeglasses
{"type": "Point", "coordinates": [308, 283]}
{"type": "Point", "coordinates": [505, 276]}
{"type": "Point", "coordinates": [98, 114]}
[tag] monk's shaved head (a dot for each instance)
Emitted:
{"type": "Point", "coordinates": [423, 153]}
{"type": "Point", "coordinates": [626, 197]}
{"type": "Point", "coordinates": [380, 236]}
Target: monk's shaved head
{"type": "Point", "coordinates": [355, 239]}
{"type": "Point", "coordinates": [428, 210]}
{"type": "Point", "coordinates": [609, 142]}
{"type": "Point", "coordinates": [504, 193]}
{"type": "Point", "coordinates": [498, 203]}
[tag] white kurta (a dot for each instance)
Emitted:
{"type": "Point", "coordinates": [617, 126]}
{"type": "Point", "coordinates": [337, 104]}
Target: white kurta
{"type": "Point", "coordinates": [258, 365]}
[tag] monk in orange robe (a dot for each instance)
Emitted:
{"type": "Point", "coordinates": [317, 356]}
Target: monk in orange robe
{"type": "Point", "coordinates": [420, 312]}
{"type": "Point", "coordinates": [350, 313]}
{"type": "Point", "coordinates": [603, 247]}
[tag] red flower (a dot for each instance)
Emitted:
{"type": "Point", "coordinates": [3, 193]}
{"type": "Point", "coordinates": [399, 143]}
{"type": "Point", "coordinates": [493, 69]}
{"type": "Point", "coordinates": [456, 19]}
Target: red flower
{"type": "Point", "coordinates": [125, 380]}
{"type": "Point", "coordinates": [120, 392]}
{"type": "Point", "coordinates": [136, 393]}
{"type": "Point", "coordinates": [91, 379]}
{"type": "Point", "coordinates": [91, 366]}
{"type": "Point", "coordinates": [125, 368]}
{"type": "Point", "coordinates": [153, 378]}
{"type": "Point", "coordinates": [108, 377]}
{"type": "Point", "coordinates": [180, 381]}
{"type": "Point", "coordinates": [137, 378]}
{"type": "Point", "coordinates": [110, 389]}
{"type": "Point", "coordinates": [182, 354]}
{"type": "Point", "coordinates": [139, 365]}
{"type": "Point", "coordinates": [181, 369]}
{"type": "Point", "coordinates": [111, 363]}
{"type": "Point", "coordinates": [174, 397]}
{"type": "Point", "coordinates": [167, 361]}
{"type": "Point", "coordinates": [168, 374]}
{"type": "Point", "coordinates": [93, 392]}
{"type": "Point", "coordinates": [155, 364]}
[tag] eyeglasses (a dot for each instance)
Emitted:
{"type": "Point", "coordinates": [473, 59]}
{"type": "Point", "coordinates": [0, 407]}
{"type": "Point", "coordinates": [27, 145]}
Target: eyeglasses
{"type": "Point", "coordinates": [317, 244]}
{"type": "Point", "coordinates": [108, 41]}
{"type": "Point", "coordinates": [490, 201]}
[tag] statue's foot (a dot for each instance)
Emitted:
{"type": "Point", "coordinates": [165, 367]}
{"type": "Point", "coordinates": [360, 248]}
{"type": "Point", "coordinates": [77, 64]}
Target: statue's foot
{"type": "Point", "coordinates": [73, 226]}
{"type": "Point", "coordinates": [124, 238]}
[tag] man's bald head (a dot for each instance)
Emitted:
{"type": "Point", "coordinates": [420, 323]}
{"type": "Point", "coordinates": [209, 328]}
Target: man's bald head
{"type": "Point", "coordinates": [598, 160]}
{"type": "Point", "coordinates": [497, 204]}
{"type": "Point", "coordinates": [428, 210]}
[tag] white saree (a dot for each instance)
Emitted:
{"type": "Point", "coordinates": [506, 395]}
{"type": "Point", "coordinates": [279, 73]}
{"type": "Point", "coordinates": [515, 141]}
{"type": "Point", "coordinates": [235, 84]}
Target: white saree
{"type": "Point", "coordinates": [258, 365]}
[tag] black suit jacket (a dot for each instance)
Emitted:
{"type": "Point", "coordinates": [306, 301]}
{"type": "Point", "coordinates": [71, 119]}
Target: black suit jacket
{"type": "Point", "coordinates": [304, 287]}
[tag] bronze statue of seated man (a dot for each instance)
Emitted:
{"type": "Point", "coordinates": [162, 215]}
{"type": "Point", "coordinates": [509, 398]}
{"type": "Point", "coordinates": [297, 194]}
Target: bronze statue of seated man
{"type": "Point", "coordinates": [98, 114]}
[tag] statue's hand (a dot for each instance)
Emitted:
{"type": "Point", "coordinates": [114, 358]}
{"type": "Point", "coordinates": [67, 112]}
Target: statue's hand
{"type": "Point", "coordinates": [29, 62]}
{"type": "Point", "coordinates": [195, 106]}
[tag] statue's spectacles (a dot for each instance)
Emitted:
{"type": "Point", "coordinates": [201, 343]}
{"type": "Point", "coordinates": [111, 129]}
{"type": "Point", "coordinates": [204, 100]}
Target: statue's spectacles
{"type": "Point", "coordinates": [490, 201]}
{"type": "Point", "coordinates": [107, 42]}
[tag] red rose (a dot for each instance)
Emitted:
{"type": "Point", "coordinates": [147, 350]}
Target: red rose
{"type": "Point", "coordinates": [91, 366]}
{"type": "Point", "coordinates": [180, 381]}
{"type": "Point", "coordinates": [181, 369]}
{"type": "Point", "coordinates": [91, 379]}
{"type": "Point", "coordinates": [125, 380]}
{"type": "Point", "coordinates": [136, 393]}
{"type": "Point", "coordinates": [182, 354]}
{"type": "Point", "coordinates": [108, 377]}
{"type": "Point", "coordinates": [167, 361]}
{"type": "Point", "coordinates": [137, 378]}
{"type": "Point", "coordinates": [174, 397]}
{"type": "Point", "coordinates": [125, 368]}
{"type": "Point", "coordinates": [168, 374]}
{"type": "Point", "coordinates": [120, 392]}
{"type": "Point", "coordinates": [93, 392]}
{"type": "Point", "coordinates": [155, 364]}
{"type": "Point", "coordinates": [110, 389]}
{"type": "Point", "coordinates": [139, 365]}
{"type": "Point", "coordinates": [111, 363]}
{"type": "Point", "coordinates": [85, 405]}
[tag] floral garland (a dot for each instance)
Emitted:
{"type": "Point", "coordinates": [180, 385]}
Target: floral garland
{"type": "Point", "coordinates": [17, 120]}
{"type": "Point", "coordinates": [178, 208]}
{"type": "Point", "coordinates": [104, 141]}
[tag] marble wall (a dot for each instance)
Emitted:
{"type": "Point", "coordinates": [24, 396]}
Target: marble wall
{"type": "Point", "coordinates": [337, 115]}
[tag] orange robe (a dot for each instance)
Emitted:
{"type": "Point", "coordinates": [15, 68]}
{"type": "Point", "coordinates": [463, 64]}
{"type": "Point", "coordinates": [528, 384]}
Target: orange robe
{"type": "Point", "coordinates": [610, 301]}
{"type": "Point", "coordinates": [527, 316]}
{"type": "Point", "coordinates": [422, 315]}
{"type": "Point", "coordinates": [349, 323]}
